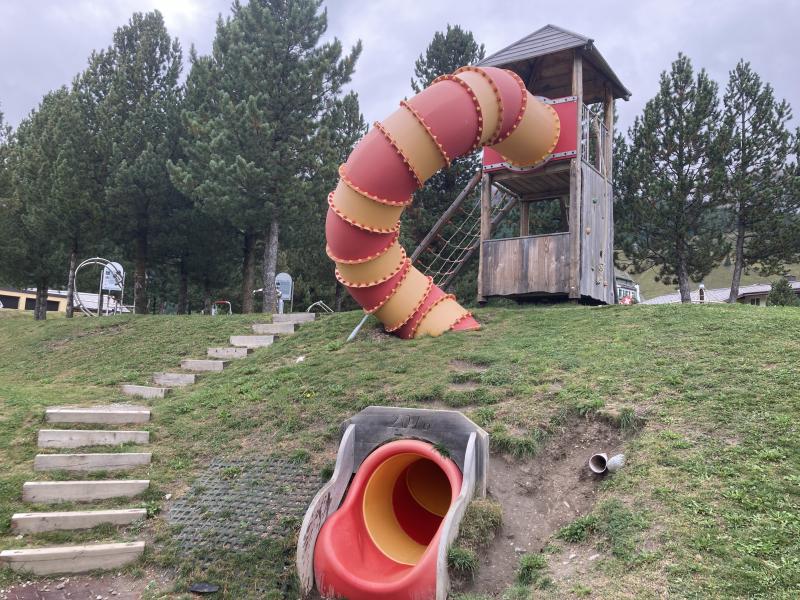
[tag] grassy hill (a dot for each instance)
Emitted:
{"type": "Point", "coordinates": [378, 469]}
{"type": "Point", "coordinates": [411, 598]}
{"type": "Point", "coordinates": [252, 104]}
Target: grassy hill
{"type": "Point", "coordinates": [705, 398]}
{"type": "Point", "coordinates": [718, 278]}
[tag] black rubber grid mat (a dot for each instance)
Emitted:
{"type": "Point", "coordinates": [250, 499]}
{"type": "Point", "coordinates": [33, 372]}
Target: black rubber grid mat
{"type": "Point", "coordinates": [239, 502]}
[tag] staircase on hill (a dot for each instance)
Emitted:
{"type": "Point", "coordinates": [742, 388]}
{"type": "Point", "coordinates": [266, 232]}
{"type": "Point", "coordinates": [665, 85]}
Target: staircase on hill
{"type": "Point", "coordinates": [81, 558]}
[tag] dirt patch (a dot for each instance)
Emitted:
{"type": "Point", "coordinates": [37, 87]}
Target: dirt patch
{"type": "Point", "coordinates": [464, 366]}
{"type": "Point", "coordinates": [464, 386]}
{"type": "Point", "coordinates": [541, 495]}
{"type": "Point", "coordinates": [103, 587]}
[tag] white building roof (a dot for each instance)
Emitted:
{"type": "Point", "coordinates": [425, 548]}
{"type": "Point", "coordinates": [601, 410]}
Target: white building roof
{"type": "Point", "coordinates": [720, 294]}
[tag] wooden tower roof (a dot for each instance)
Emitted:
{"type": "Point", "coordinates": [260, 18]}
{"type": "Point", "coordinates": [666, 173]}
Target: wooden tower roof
{"type": "Point", "coordinates": [543, 60]}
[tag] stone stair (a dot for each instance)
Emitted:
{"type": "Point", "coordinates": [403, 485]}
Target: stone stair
{"type": "Point", "coordinates": [175, 379]}
{"type": "Point", "coordinates": [72, 559]}
{"type": "Point", "coordinates": [38, 522]}
{"type": "Point", "coordinates": [144, 391]}
{"type": "Point", "coordinates": [251, 341]}
{"type": "Point", "coordinates": [90, 462]}
{"type": "Point", "coordinates": [82, 558]}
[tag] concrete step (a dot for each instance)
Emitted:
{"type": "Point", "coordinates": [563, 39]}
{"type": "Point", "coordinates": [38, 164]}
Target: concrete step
{"type": "Point", "coordinates": [76, 438]}
{"type": "Point", "coordinates": [273, 328]}
{"type": "Point", "coordinates": [90, 462]}
{"type": "Point", "coordinates": [229, 352]}
{"type": "Point", "coordinates": [66, 521]}
{"type": "Point", "coordinates": [113, 414]}
{"type": "Point", "coordinates": [72, 559]}
{"type": "Point", "coordinates": [174, 379]}
{"type": "Point", "coordinates": [252, 341]}
{"type": "Point", "coordinates": [199, 365]}
{"type": "Point", "coordinates": [144, 391]}
{"type": "Point", "coordinates": [301, 317]}
{"type": "Point", "coordinates": [81, 491]}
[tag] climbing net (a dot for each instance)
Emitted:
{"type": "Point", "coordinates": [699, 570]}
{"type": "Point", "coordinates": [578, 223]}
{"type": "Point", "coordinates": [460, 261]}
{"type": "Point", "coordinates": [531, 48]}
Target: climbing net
{"type": "Point", "coordinates": [458, 239]}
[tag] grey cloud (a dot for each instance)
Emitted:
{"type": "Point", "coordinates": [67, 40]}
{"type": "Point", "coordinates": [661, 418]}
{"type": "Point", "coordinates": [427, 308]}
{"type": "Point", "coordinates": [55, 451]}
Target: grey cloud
{"type": "Point", "coordinates": [44, 44]}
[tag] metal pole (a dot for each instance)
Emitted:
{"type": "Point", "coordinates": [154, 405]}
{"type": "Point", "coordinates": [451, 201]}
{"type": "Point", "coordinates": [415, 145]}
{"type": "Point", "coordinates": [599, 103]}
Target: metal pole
{"type": "Point", "coordinates": [358, 328]}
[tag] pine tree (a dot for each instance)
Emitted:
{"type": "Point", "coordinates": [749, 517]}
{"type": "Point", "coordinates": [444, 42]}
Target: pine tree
{"type": "Point", "coordinates": [782, 294]}
{"type": "Point", "coordinates": [77, 188]}
{"type": "Point", "coordinates": [5, 150]}
{"type": "Point", "coordinates": [759, 180]}
{"type": "Point", "coordinates": [305, 254]}
{"type": "Point", "coordinates": [670, 185]}
{"type": "Point", "coordinates": [33, 244]}
{"type": "Point", "coordinates": [446, 52]}
{"type": "Point", "coordinates": [130, 92]}
{"type": "Point", "coordinates": [251, 142]}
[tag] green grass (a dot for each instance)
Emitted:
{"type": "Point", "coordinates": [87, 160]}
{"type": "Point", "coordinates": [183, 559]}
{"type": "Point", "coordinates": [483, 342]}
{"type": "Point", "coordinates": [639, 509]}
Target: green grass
{"type": "Point", "coordinates": [708, 505]}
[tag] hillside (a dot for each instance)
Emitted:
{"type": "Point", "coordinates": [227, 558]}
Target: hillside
{"type": "Point", "coordinates": [702, 399]}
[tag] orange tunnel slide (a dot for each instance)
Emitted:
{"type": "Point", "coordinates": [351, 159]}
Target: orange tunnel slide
{"type": "Point", "coordinates": [382, 543]}
{"type": "Point", "coordinates": [457, 114]}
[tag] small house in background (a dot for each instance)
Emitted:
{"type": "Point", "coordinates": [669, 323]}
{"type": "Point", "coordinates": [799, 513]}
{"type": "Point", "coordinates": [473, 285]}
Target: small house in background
{"type": "Point", "coordinates": [755, 294]}
{"type": "Point", "coordinates": [13, 299]}
{"type": "Point", "coordinates": [626, 288]}
{"type": "Point", "coordinates": [22, 300]}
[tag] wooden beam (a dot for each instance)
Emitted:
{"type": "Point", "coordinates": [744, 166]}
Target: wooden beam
{"type": "Point", "coordinates": [575, 186]}
{"type": "Point", "coordinates": [608, 151]}
{"type": "Point", "coordinates": [446, 216]}
{"type": "Point", "coordinates": [486, 227]}
{"type": "Point", "coordinates": [555, 195]}
{"type": "Point", "coordinates": [524, 219]}
{"type": "Point", "coordinates": [548, 169]}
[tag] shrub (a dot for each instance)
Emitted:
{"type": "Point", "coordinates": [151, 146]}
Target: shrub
{"type": "Point", "coordinates": [782, 294]}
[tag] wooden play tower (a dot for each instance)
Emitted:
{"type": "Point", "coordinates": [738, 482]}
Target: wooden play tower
{"type": "Point", "coordinates": [576, 261]}
{"type": "Point", "coordinates": [572, 255]}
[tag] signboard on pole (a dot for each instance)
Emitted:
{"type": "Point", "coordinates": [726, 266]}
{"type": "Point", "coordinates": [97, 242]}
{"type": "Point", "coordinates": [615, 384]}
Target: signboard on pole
{"type": "Point", "coordinates": [113, 277]}
{"type": "Point", "coordinates": [285, 287]}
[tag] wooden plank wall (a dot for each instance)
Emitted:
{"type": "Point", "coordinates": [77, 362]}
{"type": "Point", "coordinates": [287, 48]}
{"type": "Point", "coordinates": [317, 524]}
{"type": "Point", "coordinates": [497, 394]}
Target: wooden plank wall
{"type": "Point", "coordinates": [597, 222]}
{"type": "Point", "coordinates": [526, 265]}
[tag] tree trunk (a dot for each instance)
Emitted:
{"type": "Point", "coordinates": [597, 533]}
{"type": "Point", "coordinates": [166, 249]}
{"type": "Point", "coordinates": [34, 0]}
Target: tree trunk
{"type": "Point", "coordinates": [40, 307]}
{"type": "Point", "coordinates": [338, 297]}
{"type": "Point", "coordinates": [140, 275]}
{"type": "Point", "coordinates": [73, 264]}
{"type": "Point", "coordinates": [183, 289]}
{"type": "Point", "coordinates": [269, 266]}
{"type": "Point", "coordinates": [248, 271]}
{"type": "Point", "coordinates": [206, 295]}
{"type": "Point", "coordinates": [683, 281]}
{"type": "Point", "coordinates": [738, 264]}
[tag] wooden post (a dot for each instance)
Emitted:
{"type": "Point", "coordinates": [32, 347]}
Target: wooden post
{"type": "Point", "coordinates": [609, 199]}
{"type": "Point", "coordinates": [608, 150]}
{"type": "Point", "coordinates": [486, 228]}
{"type": "Point", "coordinates": [575, 185]}
{"type": "Point", "coordinates": [524, 219]}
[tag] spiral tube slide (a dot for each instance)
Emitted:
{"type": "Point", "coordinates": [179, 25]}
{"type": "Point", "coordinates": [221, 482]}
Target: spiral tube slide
{"type": "Point", "coordinates": [383, 542]}
{"type": "Point", "coordinates": [457, 114]}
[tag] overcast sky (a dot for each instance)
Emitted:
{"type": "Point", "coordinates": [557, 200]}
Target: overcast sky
{"type": "Point", "coordinates": [44, 43]}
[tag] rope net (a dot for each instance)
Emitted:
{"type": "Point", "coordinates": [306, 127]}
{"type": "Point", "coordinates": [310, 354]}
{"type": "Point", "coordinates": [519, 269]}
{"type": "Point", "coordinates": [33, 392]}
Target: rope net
{"type": "Point", "coordinates": [445, 256]}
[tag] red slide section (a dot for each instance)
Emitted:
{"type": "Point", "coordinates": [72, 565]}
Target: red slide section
{"type": "Point", "coordinates": [382, 542]}
{"type": "Point", "coordinates": [458, 113]}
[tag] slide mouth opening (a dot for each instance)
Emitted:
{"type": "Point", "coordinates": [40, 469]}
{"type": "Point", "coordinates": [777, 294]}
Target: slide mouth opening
{"type": "Point", "coordinates": [405, 501]}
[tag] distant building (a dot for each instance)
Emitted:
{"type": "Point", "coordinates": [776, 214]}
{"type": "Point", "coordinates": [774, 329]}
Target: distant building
{"type": "Point", "coordinates": [626, 288]}
{"type": "Point", "coordinates": [755, 294]}
{"type": "Point", "coordinates": [13, 299]}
